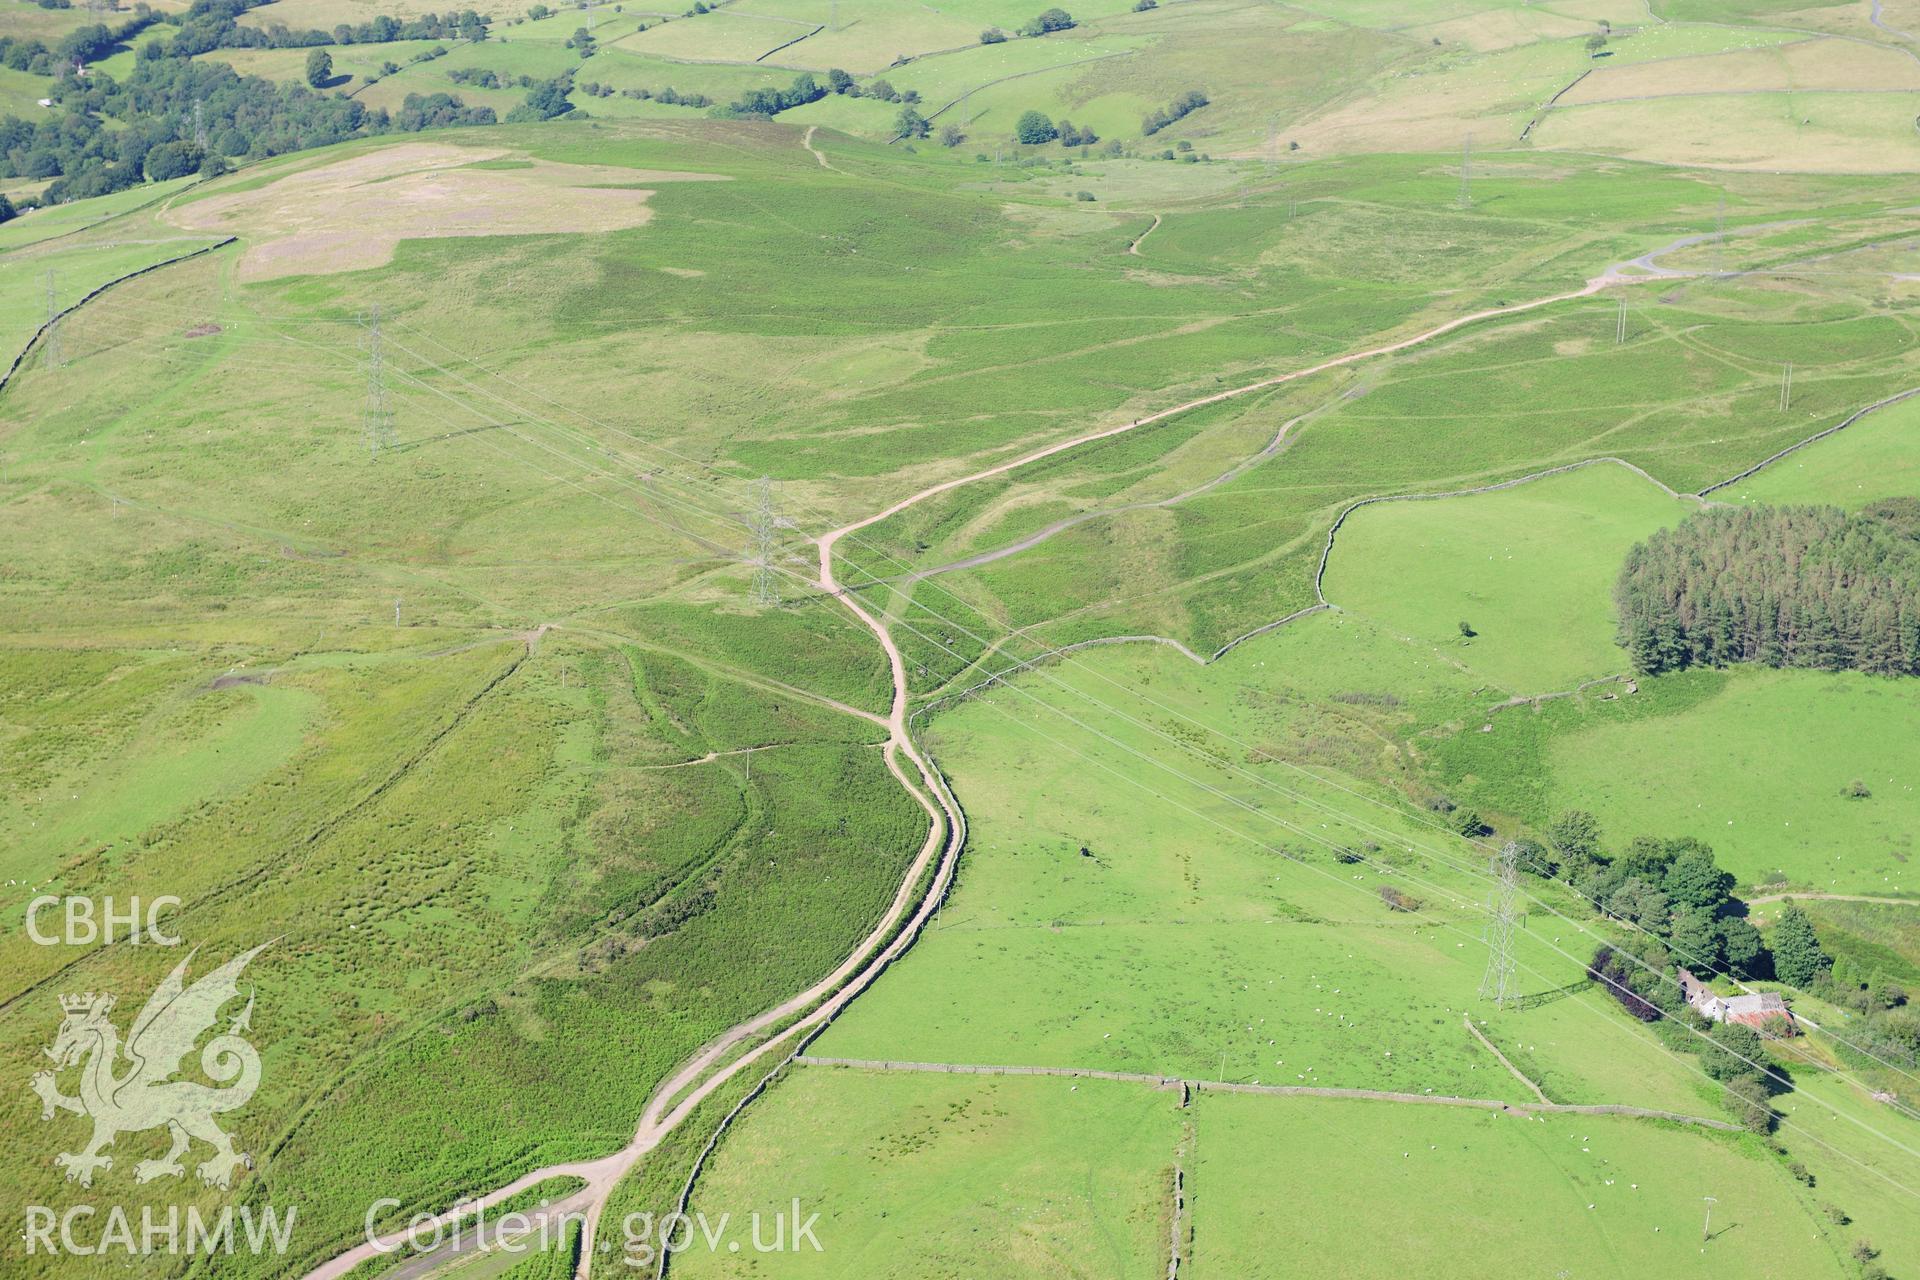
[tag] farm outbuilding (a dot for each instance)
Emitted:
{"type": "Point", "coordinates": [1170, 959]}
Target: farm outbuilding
{"type": "Point", "coordinates": [1763, 1011]}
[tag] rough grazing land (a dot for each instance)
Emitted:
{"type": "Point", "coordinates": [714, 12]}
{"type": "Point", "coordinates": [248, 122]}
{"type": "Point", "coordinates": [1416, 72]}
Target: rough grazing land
{"type": "Point", "coordinates": [349, 215]}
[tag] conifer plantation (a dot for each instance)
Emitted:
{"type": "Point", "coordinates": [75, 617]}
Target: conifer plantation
{"type": "Point", "coordinates": [1782, 586]}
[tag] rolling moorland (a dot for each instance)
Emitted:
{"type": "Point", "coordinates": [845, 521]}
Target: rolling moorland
{"type": "Point", "coordinates": [803, 641]}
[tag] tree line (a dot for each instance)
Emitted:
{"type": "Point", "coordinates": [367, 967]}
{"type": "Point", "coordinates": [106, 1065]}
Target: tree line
{"type": "Point", "coordinates": [806, 88]}
{"type": "Point", "coordinates": [1670, 888]}
{"type": "Point", "coordinates": [1181, 107]}
{"type": "Point", "coordinates": [213, 24]}
{"type": "Point", "coordinates": [770, 102]}
{"type": "Point", "coordinates": [1044, 23]}
{"type": "Point", "coordinates": [1782, 586]}
{"type": "Point", "coordinates": [82, 44]}
{"type": "Point", "coordinates": [668, 96]}
{"type": "Point", "coordinates": [107, 135]}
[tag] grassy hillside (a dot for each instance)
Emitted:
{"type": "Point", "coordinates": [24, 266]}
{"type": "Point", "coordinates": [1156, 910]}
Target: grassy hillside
{"type": "Point", "coordinates": [1628, 1193]}
{"type": "Point", "coordinates": [429, 581]}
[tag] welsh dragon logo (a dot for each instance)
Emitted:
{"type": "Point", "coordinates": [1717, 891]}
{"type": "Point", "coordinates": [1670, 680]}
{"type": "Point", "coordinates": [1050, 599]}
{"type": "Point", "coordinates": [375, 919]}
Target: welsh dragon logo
{"type": "Point", "coordinates": [144, 1094]}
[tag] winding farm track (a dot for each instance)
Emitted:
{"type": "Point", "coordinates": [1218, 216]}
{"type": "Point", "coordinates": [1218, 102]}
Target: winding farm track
{"type": "Point", "coordinates": [1141, 239]}
{"type": "Point", "coordinates": [1873, 16]}
{"type": "Point", "coordinates": [677, 1096]}
{"type": "Point", "coordinates": [919, 895]}
{"type": "Point", "coordinates": [827, 542]}
{"type": "Point", "coordinates": [806, 140]}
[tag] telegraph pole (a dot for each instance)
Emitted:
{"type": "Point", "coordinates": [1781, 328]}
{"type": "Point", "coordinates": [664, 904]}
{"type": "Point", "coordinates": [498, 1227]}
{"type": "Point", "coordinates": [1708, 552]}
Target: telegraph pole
{"type": "Point", "coordinates": [1499, 983]}
{"type": "Point", "coordinates": [1466, 173]}
{"type": "Point", "coordinates": [1786, 386]}
{"type": "Point", "coordinates": [1620, 325]}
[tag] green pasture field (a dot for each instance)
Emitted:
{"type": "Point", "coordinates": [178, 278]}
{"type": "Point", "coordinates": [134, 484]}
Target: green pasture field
{"type": "Point", "coordinates": [622, 67]}
{"type": "Point", "coordinates": [542, 60]}
{"type": "Point", "coordinates": [1750, 760]}
{"type": "Point", "coordinates": [328, 14]}
{"type": "Point", "coordinates": [30, 21]}
{"type": "Point", "coordinates": [1107, 74]}
{"type": "Point", "coordinates": [976, 67]}
{"type": "Point", "coordinates": [925, 1174]}
{"type": "Point", "coordinates": [78, 266]}
{"type": "Point", "coordinates": [724, 35]}
{"type": "Point", "coordinates": [1874, 458]}
{"type": "Point", "coordinates": [1424, 83]}
{"type": "Point", "coordinates": [1210, 930]}
{"type": "Point", "coordinates": [1529, 570]}
{"type": "Point", "coordinates": [1578, 1049]}
{"type": "Point", "coordinates": [1844, 1137]}
{"type": "Point", "coordinates": [205, 746]}
{"type": "Point", "coordinates": [1381, 13]}
{"type": "Point", "coordinates": [20, 93]}
{"type": "Point", "coordinates": [62, 219]}
{"type": "Point", "coordinates": [1757, 770]}
{"type": "Point", "coordinates": [872, 35]}
{"type": "Point", "coordinates": [1277, 1182]}
{"type": "Point", "coordinates": [602, 22]}
{"type": "Point", "coordinates": [1732, 11]}
{"type": "Point", "coordinates": [355, 66]}
{"type": "Point", "coordinates": [1458, 89]}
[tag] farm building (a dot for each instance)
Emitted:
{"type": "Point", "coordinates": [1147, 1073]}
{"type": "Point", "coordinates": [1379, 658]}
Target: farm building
{"type": "Point", "coordinates": [1764, 1011]}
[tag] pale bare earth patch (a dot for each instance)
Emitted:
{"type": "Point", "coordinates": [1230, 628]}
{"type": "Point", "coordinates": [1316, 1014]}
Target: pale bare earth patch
{"type": "Point", "coordinates": [1822, 65]}
{"type": "Point", "coordinates": [1805, 132]}
{"type": "Point", "coordinates": [349, 215]}
{"type": "Point", "coordinates": [1432, 110]}
{"type": "Point", "coordinates": [1502, 29]}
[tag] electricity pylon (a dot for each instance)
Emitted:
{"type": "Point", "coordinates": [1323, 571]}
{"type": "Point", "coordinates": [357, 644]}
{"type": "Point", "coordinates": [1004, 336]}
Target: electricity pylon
{"type": "Point", "coordinates": [50, 345]}
{"type": "Point", "coordinates": [1503, 909]}
{"type": "Point", "coordinates": [761, 523]}
{"type": "Point", "coordinates": [379, 416]}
